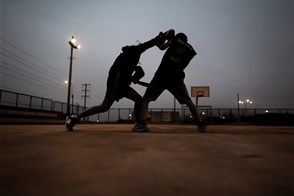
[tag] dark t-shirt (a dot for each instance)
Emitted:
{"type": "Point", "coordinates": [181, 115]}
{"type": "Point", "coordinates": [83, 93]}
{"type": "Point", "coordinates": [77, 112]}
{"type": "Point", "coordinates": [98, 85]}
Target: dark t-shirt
{"type": "Point", "coordinates": [127, 61]}
{"type": "Point", "coordinates": [175, 60]}
{"type": "Point", "coordinates": [120, 73]}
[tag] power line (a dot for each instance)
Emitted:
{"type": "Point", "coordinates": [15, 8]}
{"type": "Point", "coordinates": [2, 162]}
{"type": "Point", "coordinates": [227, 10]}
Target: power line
{"type": "Point", "coordinates": [43, 85]}
{"type": "Point", "coordinates": [38, 71]}
{"type": "Point", "coordinates": [34, 67]}
{"type": "Point", "coordinates": [27, 62]}
{"type": "Point", "coordinates": [28, 54]}
{"type": "Point", "coordinates": [34, 77]}
{"type": "Point", "coordinates": [29, 75]}
{"type": "Point", "coordinates": [37, 59]}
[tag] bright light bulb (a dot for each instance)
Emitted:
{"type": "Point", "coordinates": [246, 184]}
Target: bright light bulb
{"type": "Point", "coordinates": [73, 40]}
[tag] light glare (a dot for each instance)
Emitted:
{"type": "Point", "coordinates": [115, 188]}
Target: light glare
{"type": "Point", "coordinates": [73, 40]}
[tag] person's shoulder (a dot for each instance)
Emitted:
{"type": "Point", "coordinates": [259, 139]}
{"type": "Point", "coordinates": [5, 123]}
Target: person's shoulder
{"type": "Point", "coordinates": [191, 48]}
{"type": "Point", "coordinates": [187, 46]}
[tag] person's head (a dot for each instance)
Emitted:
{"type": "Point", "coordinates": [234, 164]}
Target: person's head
{"type": "Point", "coordinates": [132, 54]}
{"type": "Point", "coordinates": [127, 49]}
{"type": "Point", "coordinates": [182, 37]}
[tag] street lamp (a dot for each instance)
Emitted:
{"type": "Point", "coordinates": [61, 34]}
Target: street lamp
{"type": "Point", "coordinates": [246, 102]}
{"type": "Point", "coordinates": [72, 46]}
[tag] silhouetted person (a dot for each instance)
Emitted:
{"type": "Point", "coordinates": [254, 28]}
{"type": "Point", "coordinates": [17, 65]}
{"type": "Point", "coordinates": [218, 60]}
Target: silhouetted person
{"type": "Point", "coordinates": [124, 70]}
{"type": "Point", "coordinates": [170, 76]}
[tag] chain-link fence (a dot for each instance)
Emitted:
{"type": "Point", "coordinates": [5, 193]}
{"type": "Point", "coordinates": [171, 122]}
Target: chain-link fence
{"type": "Point", "coordinates": [175, 115]}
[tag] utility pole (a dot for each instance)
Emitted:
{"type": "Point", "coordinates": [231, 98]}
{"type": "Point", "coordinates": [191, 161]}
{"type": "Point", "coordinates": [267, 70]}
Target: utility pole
{"type": "Point", "coordinates": [86, 90]}
{"type": "Point", "coordinates": [85, 96]}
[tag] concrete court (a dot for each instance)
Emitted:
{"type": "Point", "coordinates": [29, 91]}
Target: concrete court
{"type": "Point", "coordinates": [170, 160]}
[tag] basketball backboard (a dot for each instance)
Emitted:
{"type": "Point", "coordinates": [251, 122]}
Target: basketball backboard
{"type": "Point", "coordinates": [200, 91]}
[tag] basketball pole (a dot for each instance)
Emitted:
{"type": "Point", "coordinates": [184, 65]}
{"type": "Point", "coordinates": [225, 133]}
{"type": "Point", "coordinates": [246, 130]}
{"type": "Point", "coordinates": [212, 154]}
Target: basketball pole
{"type": "Point", "coordinates": [197, 101]}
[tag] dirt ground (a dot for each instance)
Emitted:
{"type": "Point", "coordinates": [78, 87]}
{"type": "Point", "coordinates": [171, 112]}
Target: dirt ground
{"type": "Point", "coordinates": [104, 160]}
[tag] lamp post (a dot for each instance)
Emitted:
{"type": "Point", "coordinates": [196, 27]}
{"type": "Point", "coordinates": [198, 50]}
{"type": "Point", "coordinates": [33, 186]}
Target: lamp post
{"type": "Point", "coordinates": [246, 102]}
{"type": "Point", "coordinates": [72, 96]}
{"type": "Point", "coordinates": [72, 46]}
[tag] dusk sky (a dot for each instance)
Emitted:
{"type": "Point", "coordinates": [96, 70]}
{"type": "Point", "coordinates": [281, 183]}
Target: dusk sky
{"type": "Point", "coordinates": [243, 46]}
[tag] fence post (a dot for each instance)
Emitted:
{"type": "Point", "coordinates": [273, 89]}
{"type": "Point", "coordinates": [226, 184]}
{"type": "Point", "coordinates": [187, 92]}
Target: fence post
{"type": "Point", "coordinates": [30, 105]}
{"type": "Point", "coordinates": [51, 108]}
{"type": "Point", "coordinates": [42, 99]}
{"type": "Point", "coordinates": [16, 101]}
{"type": "Point", "coordinates": [118, 113]}
{"type": "Point", "coordinates": [61, 107]}
{"type": "Point", "coordinates": [0, 96]}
